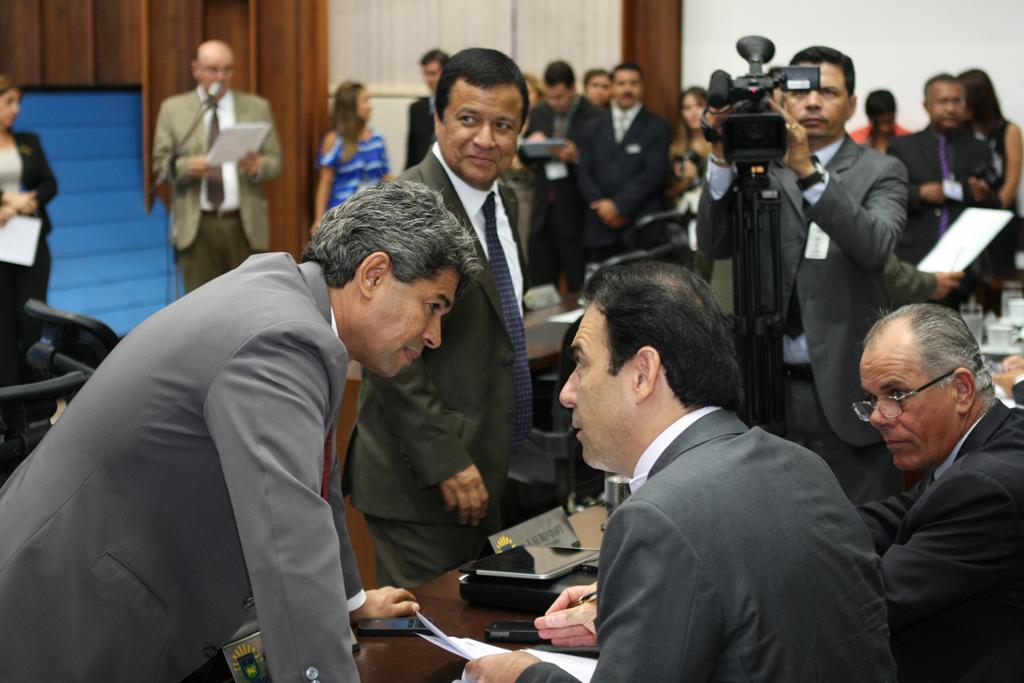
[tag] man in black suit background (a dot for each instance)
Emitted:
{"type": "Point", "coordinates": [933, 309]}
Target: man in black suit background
{"type": "Point", "coordinates": [944, 164]}
{"type": "Point", "coordinates": [952, 548]}
{"type": "Point", "coordinates": [421, 112]}
{"type": "Point", "coordinates": [622, 166]}
{"type": "Point", "coordinates": [556, 221]}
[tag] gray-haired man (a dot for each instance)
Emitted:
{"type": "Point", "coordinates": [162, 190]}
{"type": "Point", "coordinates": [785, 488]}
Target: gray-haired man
{"type": "Point", "coordinates": [193, 480]}
{"type": "Point", "coordinates": [952, 548]}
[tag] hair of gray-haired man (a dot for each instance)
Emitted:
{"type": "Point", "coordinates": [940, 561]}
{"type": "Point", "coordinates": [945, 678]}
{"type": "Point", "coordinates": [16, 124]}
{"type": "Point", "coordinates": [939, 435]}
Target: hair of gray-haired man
{"type": "Point", "coordinates": [944, 342]}
{"type": "Point", "coordinates": [407, 221]}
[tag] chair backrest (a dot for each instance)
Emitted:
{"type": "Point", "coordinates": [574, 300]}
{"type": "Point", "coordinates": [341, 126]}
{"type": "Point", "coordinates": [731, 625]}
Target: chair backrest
{"type": "Point", "coordinates": [69, 341]}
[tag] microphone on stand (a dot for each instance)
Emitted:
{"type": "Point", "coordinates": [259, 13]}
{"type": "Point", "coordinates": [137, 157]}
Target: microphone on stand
{"type": "Point", "coordinates": [168, 174]}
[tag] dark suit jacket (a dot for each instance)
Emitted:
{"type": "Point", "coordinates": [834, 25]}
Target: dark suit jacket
{"type": "Point", "coordinates": [36, 174]}
{"type": "Point", "coordinates": [421, 132]}
{"type": "Point", "coordinates": [739, 560]}
{"type": "Point", "coordinates": [920, 154]}
{"type": "Point", "coordinates": [178, 484]}
{"type": "Point", "coordinates": [631, 173]}
{"type": "Point", "coordinates": [953, 561]}
{"type": "Point", "coordinates": [569, 207]}
{"type": "Point", "coordinates": [450, 409]}
{"type": "Point", "coordinates": [862, 211]}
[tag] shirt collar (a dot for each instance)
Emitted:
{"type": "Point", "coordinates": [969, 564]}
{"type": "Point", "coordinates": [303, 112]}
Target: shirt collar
{"type": "Point", "coordinates": [627, 113]}
{"type": "Point", "coordinates": [226, 100]}
{"type": "Point", "coordinates": [826, 153]}
{"type": "Point", "coordinates": [472, 199]}
{"type": "Point", "coordinates": [658, 446]}
{"type": "Point", "coordinates": [948, 462]}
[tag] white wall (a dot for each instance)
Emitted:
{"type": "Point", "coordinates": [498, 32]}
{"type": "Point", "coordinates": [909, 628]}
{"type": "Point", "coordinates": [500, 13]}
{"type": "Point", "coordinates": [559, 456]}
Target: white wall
{"type": "Point", "coordinates": [380, 43]}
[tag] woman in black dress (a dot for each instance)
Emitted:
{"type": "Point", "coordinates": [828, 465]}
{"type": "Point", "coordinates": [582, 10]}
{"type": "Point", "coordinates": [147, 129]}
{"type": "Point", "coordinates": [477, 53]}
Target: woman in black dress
{"type": "Point", "coordinates": [26, 186]}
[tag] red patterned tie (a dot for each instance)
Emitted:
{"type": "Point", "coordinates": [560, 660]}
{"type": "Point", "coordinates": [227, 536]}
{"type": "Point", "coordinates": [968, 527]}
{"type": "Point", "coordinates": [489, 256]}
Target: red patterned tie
{"type": "Point", "coordinates": [214, 181]}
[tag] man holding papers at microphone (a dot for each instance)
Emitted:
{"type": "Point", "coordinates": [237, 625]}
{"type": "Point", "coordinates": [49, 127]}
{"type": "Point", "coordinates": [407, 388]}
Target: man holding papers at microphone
{"type": "Point", "coordinates": [737, 557]}
{"type": "Point", "coordinates": [219, 212]}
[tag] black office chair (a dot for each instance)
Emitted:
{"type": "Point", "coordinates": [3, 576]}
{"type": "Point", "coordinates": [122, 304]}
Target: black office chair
{"type": "Point", "coordinates": [70, 348]}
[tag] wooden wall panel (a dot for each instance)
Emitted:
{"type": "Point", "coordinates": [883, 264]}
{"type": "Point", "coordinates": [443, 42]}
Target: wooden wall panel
{"type": "Point", "coordinates": [68, 42]}
{"type": "Point", "coordinates": [118, 44]}
{"type": "Point", "coordinates": [652, 37]}
{"type": "Point", "coordinates": [20, 56]}
{"type": "Point", "coordinates": [228, 20]}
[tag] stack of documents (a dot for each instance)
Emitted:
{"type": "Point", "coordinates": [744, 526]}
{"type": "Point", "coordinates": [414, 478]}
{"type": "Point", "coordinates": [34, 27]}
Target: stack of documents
{"type": "Point", "coordinates": [467, 648]}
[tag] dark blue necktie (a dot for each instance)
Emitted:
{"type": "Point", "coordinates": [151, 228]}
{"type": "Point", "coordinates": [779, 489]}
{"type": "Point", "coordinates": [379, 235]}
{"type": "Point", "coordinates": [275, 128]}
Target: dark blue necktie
{"type": "Point", "coordinates": [522, 389]}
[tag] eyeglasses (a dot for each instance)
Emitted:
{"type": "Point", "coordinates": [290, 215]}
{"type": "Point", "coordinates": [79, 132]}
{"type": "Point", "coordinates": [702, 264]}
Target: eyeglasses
{"type": "Point", "coordinates": [892, 406]}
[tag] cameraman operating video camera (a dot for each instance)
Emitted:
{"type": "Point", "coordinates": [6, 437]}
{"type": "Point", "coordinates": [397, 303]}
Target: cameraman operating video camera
{"type": "Point", "coordinates": [843, 208]}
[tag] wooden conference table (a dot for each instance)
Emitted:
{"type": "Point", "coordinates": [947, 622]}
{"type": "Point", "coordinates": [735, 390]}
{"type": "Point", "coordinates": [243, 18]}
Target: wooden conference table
{"type": "Point", "coordinates": [411, 659]}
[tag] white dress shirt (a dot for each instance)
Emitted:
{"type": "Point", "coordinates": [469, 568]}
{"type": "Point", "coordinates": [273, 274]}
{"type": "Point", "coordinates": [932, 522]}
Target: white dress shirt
{"type": "Point", "coordinates": [229, 172]}
{"type": "Point", "coordinates": [622, 119]}
{"type": "Point", "coordinates": [948, 462]}
{"type": "Point", "coordinates": [658, 446]}
{"type": "Point", "coordinates": [473, 202]}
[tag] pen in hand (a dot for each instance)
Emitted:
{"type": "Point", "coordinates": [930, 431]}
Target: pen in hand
{"type": "Point", "coordinates": [589, 597]}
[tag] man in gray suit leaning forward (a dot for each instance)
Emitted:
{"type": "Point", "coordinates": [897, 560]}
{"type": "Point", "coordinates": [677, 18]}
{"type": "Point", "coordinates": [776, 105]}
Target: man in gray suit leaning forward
{"type": "Point", "coordinates": [192, 484]}
{"type": "Point", "coordinates": [842, 211]}
{"type": "Point", "coordinates": [737, 557]}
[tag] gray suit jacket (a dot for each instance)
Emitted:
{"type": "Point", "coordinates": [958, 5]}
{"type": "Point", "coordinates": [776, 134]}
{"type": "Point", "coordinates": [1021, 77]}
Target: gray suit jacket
{"type": "Point", "coordinates": [739, 560]}
{"type": "Point", "coordinates": [862, 211]}
{"type": "Point", "coordinates": [176, 114]}
{"type": "Point", "coordinates": [450, 409]}
{"type": "Point", "coordinates": [177, 485]}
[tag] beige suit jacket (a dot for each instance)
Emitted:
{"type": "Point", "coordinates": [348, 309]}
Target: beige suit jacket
{"type": "Point", "coordinates": [176, 115]}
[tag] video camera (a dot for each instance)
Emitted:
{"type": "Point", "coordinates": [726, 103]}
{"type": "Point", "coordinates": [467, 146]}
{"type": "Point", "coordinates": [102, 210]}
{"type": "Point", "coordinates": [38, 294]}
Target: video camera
{"type": "Point", "coordinates": [753, 133]}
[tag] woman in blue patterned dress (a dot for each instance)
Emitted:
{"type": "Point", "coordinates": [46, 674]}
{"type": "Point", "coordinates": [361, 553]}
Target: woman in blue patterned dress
{"type": "Point", "coordinates": [353, 155]}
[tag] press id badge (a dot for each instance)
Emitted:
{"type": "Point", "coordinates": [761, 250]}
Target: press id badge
{"type": "Point", "coordinates": [817, 243]}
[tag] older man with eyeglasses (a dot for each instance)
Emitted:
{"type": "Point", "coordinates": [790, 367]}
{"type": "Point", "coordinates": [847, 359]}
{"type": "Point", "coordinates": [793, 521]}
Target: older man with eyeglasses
{"type": "Point", "coordinates": [952, 548]}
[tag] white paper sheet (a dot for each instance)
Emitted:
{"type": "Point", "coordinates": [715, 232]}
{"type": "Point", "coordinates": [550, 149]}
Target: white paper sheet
{"type": "Point", "coordinates": [234, 142]}
{"type": "Point", "coordinates": [964, 240]}
{"type": "Point", "coordinates": [19, 238]}
{"type": "Point", "coordinates": [568, 316]}
{"type": "Point", "coordinates": [581, 667]}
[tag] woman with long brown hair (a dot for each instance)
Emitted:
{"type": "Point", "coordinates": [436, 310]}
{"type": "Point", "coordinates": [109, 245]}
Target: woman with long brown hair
{"type": "Point", "coordinates": [352, 155]}
{"type": "Point", "coordinates": [985, 119]}
{"type": "Point", "coordinates": [26, 186]}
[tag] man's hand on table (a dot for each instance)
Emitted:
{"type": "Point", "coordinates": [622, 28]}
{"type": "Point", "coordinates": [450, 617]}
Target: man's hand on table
{"type": "Point", "coordinates": [568, 626]}
{"type": "Point", "coordinates": [499, 668]}
{"type": "Point", "coordinates": [386, 603]}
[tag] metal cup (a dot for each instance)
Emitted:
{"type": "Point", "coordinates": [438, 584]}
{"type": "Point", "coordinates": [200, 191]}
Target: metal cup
{"type": "Point", "coordinates": [616, 490]}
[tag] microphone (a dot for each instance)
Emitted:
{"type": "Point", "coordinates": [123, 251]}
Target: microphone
{"type": "Point", "coordinates": [212, 92]}
{"type": "Point", "coordinates": [718, 89]}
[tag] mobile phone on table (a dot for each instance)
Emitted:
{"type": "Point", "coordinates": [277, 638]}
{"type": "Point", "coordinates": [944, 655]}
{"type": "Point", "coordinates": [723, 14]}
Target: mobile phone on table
{"type": "Point", "coordinates": [402, 626]}
{"type": "Point", "coordinates": [512, 632]}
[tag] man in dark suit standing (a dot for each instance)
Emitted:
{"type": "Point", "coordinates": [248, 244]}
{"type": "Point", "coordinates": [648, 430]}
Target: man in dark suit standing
{"type": "Point", "coordinates": [952, 548]}
{"type": "Point", "coordinates": [421, 112]}
{"type": "Point", "coordinates": [718, 566]}
{"type": "Point", "coordinates": [945, 164]}
{"type": "Point", "coordinates": [623, 165]}
{"type": "Point", "coordinates": [430, 452]}
{"type": "Point", "coordinates": [559, 209]}
{"type": "Point", "coordinates": [841, 214]}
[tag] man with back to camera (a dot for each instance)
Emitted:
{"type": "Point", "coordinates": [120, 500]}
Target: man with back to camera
{"type": "Point", "coordinates": [192, 484]}
{"type": "Point", "coordinates": [556, 223]}
{"type": "Point", "coordinates": [840, 218]}
{"type": "Point", "coordinates": [952, 548]}
{"type": "Point", "coordinates": [944, 163]}
{"type": "Point", "coordinates": [220, 212]}
{"type": "Point", "coordinates": [737, 557]}
{"type": "Point", "coordinates": [421, 112]}
{"type": "Point", "coordinates": [429, 457]}
{"type": "Point", "coordinates": [623, 165]}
